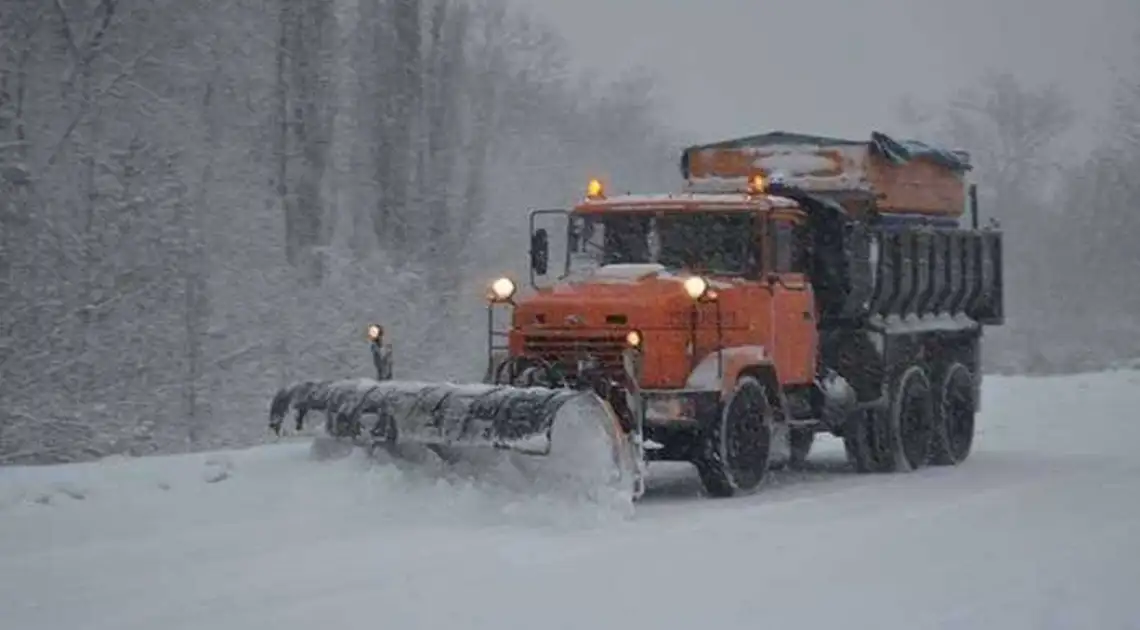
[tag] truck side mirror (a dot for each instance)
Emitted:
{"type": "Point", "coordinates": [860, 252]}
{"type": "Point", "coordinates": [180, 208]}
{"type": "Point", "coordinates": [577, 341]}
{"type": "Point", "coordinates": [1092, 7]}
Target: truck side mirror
{"type": "Point", "coordinates": [539, 251]}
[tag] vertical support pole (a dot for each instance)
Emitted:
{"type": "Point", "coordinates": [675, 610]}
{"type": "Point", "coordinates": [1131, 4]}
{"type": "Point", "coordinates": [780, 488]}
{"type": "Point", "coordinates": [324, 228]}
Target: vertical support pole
{"type": "Point", "coordinates": [382, 360]}
{"type": "Point", "coordinates": [381, 353]}
{"type": "Point", "coordinates": [492, 347]}
{"type": "Point", "coordinates": [490, 339]}
{"type": "Point", "coordinates": [631, 360]}
{"type": "Point", "coordinates": [719, 343]}
{"type": "Point", "coordinates": [693, 336]}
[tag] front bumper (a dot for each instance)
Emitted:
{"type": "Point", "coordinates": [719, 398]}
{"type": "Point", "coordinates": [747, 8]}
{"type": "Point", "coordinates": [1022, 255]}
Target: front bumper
{"type": "Point", "coordinates": [675, 422]}
{"type": "Point", "coordinates": [685, 407]}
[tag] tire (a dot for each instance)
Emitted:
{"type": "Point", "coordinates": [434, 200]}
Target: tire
{"type": "Point", "coordinates": [910, 430]}
{"type": "Point", "coordinates": [954, 414]}
{"type": "Point", "coordinates": [736, 447]}
{"type": "Point", "coordinates": [799, 445]}
{"type": "Point", "coordinates": [898, 438]}
{"type": "Point", "coordinates": [864, 440]}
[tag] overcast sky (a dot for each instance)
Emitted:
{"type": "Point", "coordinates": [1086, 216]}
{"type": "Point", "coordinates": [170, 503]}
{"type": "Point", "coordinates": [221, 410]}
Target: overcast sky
{"type": "Point", "coordinates": [735, 67]}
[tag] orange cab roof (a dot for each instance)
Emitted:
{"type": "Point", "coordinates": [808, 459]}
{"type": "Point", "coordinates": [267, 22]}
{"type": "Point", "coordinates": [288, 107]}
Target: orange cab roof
{"type": "Point", "coordinates": [725, 202]}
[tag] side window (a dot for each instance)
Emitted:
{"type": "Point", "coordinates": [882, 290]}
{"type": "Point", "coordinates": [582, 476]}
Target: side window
{"type": "Point", "coordinates": [789, 253]}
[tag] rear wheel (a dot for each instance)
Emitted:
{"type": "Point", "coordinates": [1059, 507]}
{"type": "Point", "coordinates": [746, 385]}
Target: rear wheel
{"type": "Point", "coordinates": [864, 440]}
{"type": "Point", "coordinates": [897, 438]}
{"type": "Point", "coordinates": [736, 447]}
{"type": "Point", "coordinates": [954, 413]}
{"type": "Point", "coordinates": [911, 421]}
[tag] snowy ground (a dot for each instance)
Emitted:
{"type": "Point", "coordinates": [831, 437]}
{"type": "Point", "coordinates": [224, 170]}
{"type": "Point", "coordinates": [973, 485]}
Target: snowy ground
{"type": "Point", "coordinates": [1039, 529]}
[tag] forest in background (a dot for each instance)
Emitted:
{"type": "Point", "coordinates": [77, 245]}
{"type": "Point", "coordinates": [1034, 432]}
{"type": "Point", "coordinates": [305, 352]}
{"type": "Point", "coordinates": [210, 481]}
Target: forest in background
{"type": "Point", "coordinates": [200, 202]}
{"type": "Point", "coordinates": [1069, 216]}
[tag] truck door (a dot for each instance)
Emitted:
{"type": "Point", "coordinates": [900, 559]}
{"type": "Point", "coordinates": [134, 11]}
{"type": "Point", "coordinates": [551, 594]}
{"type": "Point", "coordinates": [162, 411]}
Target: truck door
{"type": "Point", "coordinates": [793, 302]}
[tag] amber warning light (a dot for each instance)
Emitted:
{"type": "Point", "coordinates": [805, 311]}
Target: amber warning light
{"type": "Point", "coordinates": [757, 185]}
{"type": "Point", "coordinates": [595, 190]}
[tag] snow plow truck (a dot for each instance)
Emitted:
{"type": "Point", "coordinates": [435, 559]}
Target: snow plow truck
{"type": "Point", "coordinates": [796, 284]}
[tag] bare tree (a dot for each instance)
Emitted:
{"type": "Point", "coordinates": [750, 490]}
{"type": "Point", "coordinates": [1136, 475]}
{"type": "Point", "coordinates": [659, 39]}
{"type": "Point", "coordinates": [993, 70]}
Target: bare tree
{"type": "Point", "coordinates": [1014, 135]}
{"type": "Point", "coordinates": [112, 236]}
{"type": "Point", "coordinates": [1011, 130]}
{"type": "Point", "coordinates": [149, 293]}
{"type": "Point", "coordinates": [19, 22]}
{"type": "Point", "coordinates": [1105, 188]}
{"type": "Point", "coordinates": [304, 120]}
{"type": "Point", "coordinates": [1125, 135]}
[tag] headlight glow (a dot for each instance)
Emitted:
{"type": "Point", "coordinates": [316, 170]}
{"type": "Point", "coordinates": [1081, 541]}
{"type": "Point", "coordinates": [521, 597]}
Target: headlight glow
{"type": "Point", "coordinates": [502, 289]}
{"type": "Point", "coordinates": [696, 287]}
{"type": "Point", "coordinates": [633, 339]}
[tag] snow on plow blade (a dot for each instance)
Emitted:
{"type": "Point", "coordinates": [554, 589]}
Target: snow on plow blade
{"type": "Point", "coordinates": [445, 414]}
{"type": "Point", "coordinates": [575, 433]}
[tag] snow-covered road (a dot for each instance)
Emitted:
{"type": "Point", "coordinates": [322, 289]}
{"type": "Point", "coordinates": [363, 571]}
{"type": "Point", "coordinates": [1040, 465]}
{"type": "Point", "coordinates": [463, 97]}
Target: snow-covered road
{"type": "Point", "coordinates": [1039, 529]}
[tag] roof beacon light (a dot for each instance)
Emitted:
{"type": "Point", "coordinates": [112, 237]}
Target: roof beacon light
{"type": "Point", "coordinates": [595, 190]}
{"type": "Point", "coordinates": [757, 185]}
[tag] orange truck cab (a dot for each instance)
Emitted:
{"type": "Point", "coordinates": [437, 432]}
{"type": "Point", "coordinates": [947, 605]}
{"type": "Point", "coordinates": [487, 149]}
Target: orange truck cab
{"type": "Point", "coordinates": [797, 284]}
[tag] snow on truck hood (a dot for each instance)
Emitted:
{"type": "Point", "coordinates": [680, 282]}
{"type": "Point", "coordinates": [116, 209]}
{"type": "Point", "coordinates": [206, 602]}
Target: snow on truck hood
{"type": "Point", "coordinates": [627, 285]}
{"type": "Point", "coordinates": [641, 292]}
{"type": "Point", "coordinates": [634, 285]}
{"type": "Point", "coordinates": [635, 273]}
{"type": "Point", "coordinates": [628, 272]}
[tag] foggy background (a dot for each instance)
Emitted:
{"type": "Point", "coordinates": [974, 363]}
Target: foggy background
{"type": "Point", "coordinates": [202, 201]}
{"type": "Point", "coordinates": [729, 67]}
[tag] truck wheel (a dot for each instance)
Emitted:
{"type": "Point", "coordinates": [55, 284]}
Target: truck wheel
{"type": "Point", "coordinates": [799, 444]}
{"type": "Point", "coordinates": [864, 440]}
{"type": "Point", "coordinates": [911, 421]}
{"type": "Point", "coordinates": [954, 413]}
{"type": "Point", "coordinates": [736, 447]}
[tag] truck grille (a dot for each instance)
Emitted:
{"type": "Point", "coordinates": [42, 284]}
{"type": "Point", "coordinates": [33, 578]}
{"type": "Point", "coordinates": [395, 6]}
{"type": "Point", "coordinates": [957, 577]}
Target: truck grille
{"type": "Point", "coordinates": [567, 350]}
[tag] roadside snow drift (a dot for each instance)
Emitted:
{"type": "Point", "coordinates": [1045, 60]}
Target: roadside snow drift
{"type": "Point", "coordinates": [1037, 530]}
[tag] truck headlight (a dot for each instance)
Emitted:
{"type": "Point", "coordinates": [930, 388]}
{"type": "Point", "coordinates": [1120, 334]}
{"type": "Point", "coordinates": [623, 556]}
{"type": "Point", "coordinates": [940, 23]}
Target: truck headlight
{"type": "Point", "coordinates": [633, 339]}
{"type": "Point", "coordinates": [697, 287]}
{"type": "Point", "coordinates": [502, 290]}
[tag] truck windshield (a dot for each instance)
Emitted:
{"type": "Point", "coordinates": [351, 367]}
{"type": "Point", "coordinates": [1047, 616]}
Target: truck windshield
{"type": "Point", "coordinates": [713, 242]}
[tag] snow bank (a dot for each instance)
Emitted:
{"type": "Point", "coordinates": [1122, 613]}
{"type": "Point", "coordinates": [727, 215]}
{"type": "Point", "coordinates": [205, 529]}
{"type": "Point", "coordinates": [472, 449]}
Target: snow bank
{"type": "Point", "coordinates": [1074, 415]}
{"type": "Point", "coordinates": [1035, 414]}
{"type": "Point", "coordinates": [302, 478]}
{"type": "Point", "coordinates": [1036, 530]}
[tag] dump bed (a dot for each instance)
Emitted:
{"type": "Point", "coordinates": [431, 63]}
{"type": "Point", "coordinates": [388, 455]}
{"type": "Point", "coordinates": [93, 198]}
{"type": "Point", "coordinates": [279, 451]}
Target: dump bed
{"type": "Point", "coordinates": [888, 175]}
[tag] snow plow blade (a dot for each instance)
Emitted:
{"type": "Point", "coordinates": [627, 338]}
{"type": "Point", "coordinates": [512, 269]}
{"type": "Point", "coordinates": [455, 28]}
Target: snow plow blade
{"type": "Point", "coordinates": [445, 414]}
{"type": "Point", "coordinates": [577, 426]}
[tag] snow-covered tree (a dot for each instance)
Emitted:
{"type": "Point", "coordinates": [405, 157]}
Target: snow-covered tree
{"type": "Point", "coordinates": [200, 201]}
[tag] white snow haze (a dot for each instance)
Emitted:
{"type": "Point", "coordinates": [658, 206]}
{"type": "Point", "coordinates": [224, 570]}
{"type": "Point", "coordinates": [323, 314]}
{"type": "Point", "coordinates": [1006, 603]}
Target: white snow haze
{"type": "Point", "coordinates": [203, 202]}
{"type": "Point", "coordinates": [733, 67]}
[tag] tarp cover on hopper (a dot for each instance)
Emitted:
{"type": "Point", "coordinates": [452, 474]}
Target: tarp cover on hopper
{"type": "Point", "coordinates": [898, 177]}
{"type": "Point", "coordinates": [896, 150]}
